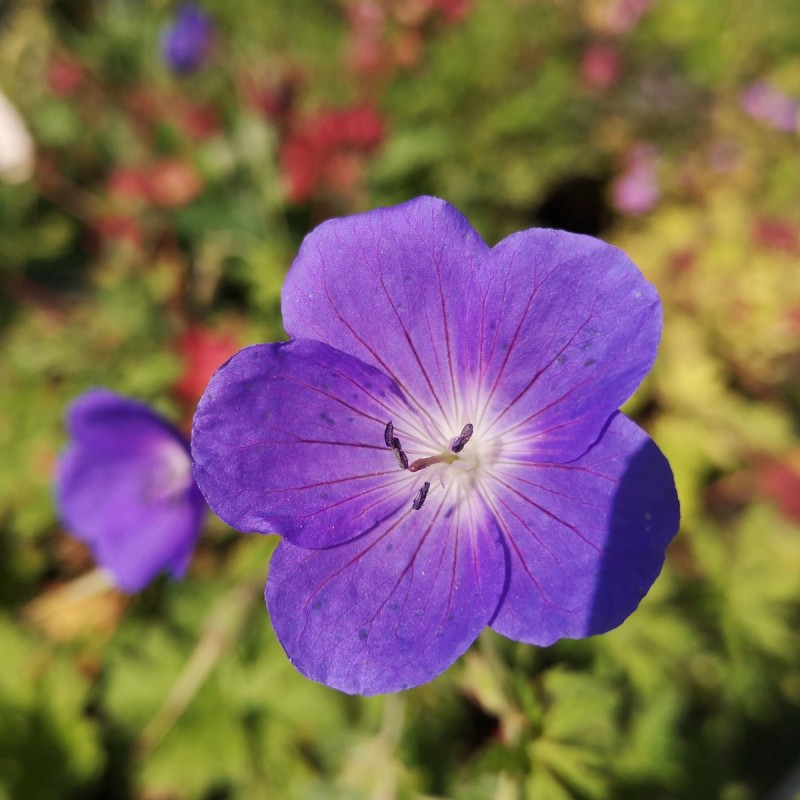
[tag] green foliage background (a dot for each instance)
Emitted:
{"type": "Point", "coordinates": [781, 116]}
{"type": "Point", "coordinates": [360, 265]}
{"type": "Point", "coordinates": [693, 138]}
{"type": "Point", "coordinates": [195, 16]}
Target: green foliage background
{"type": "Point", "coordinates": [183, 692]}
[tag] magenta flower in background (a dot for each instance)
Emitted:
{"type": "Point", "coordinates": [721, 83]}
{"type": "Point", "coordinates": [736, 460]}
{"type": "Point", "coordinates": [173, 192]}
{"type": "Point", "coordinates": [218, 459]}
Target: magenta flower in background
{"type": "Point", "coordinates": [124, 486]}
{"type": "Point", "coordinates": [637, 190]}
{"type": "Point", "coordinates": [439, 444]}
{"type": "Point", "coordinates": [601, 65]}
{"type": "Point", "coordinates": [762, 101]}
{"type": "Point", "coordinates": [187, 40]}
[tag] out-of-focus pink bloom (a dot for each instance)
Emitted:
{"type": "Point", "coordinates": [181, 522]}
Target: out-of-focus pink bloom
{"type": "Point", "coordinates": [119, 229]}
{"type": "Point", "coordinates": [779, 481]}
{"type": "Point", "coordinates": [300, 165]}
{"type": "Point", "coordinates": [762, 101]}
{"type": "Point", "coordinates": [637, 190]}
{"type": "Point", "coordinates": [277, 102]}
{"type": "Point", "coordinates": [322, 150]}
{"type": "Point", "coordinates": [408, 46]}
{"type": "Point", "coordinates": [201, 122]}
{"type": "Point", "coordinates": [776, 234]}
{"type": "Point", "coordinates": [16, 145]}
{"type": "Point", "coordinates": [619, 16]}
{"type": "Point", "coordinates": [723, 156]}
{"type": "Point", "coordinates": [127, 184]}
{"type": "Point", "coordinates": [453, 10]}
{"type": "Point", "coordinates": [65, 76]}
{"type": "Point", "coordinates": [173, 183]}
{"type": "Point", "coordinates": [601, 65]}
{"type": "Point", "coordinates": [202, 351]}
{"type": "Point", "coordinates": [417, 12]}
{"type": "Point", "coordinates": [367, 51]}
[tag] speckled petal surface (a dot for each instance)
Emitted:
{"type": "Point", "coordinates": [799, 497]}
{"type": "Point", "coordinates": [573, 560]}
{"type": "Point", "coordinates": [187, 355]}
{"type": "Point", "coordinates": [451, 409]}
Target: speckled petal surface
{"type": "Point", "coordinates": [393, 608]}
{"type": "Point", "coordinates": [289, 439]}
{"type": "Point", "coordinates": [569, 329]}
{"type": "Point", "coordinates": [400, 289]}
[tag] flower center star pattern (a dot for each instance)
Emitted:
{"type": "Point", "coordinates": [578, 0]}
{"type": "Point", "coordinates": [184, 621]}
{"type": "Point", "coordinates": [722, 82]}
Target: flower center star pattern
{"type": "Point", "coordinates": [440, 446]}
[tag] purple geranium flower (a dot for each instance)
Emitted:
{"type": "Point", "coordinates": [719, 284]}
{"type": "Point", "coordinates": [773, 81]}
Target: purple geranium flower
{"type": "Point", "coordinates": [439, 444]}
{"type": "Point", "coordinates": [187, 40]}
{"type": "Point", "coordinates": [124, 486]}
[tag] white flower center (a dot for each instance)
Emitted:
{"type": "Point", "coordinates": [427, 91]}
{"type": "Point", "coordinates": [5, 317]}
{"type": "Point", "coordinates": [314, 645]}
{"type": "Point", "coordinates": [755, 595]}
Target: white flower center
{"type": "Point", "coordinates": [439, 456]}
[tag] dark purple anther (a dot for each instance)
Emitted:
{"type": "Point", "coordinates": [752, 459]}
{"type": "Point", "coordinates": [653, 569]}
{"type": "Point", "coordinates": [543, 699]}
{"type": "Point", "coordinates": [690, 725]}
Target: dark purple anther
{"type": "Point", "coordinates": [388, 434]}
{"type": "Point", "coordinates": [462, 439]}
{"type": "Point", "coordinates": [402, 458]}
{"type": "Point", "coordinates": [421, 495]}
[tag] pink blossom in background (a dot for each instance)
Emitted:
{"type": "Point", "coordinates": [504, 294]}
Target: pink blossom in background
{"type": "Point", "coordinates": [127, 185]}
{"type": "Point", "coordinates": [622, 15]}
{"type": "Point", "coordinates": [637, 190]}
{"type": "Point", "coordinates": [65, 76]}
{"type": "Point", "coordinates": [601, 65]}
{"type": "Point", "coordinates": [368, 52]}
{"type": "Point", "coordinates": [776, 234]}
{"type": "Point", "coordinates": [202, 351]}
{"type": "Point", "coordinates": [172, 183]}
{"type": "Point", "coordinates": [724, 156]}
{"type": "Point", "coordinates": [762, 101]}
{"type": "Point", "coordinates": [326, 150]}
{"type": "Point", "coordinates": [453, 10]}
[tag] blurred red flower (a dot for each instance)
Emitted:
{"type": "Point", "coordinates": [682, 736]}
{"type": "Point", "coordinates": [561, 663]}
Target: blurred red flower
{"type": "Point", "coordinates": [118, 229]}
{"type": "Point", "coordinates": [202, 351]}
{"type": "Point", "coordinates": [65, 75]}
{"type": "Point", "coordinates": [779, 481]}
{"type": "Point", "coordinates": [601, 66]}
{"type": "Point", "coordinates": [326, 150]}
{"type": "Point", "coordinates": [776, 234]}
{"type": "Point", "coordinates": [172, 183]}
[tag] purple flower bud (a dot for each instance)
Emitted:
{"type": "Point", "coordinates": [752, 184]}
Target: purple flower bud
{"type": "Point", "coordinates": [187, 41]}
{"type": "Point", "coordinates": [124, 486]}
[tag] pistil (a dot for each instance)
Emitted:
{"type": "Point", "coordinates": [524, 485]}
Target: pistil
{"type": "Point", "coordinates": [429, 461]}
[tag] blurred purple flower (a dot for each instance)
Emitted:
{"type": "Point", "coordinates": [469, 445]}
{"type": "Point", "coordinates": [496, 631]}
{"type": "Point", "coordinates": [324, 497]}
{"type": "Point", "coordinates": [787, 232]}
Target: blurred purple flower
{"type": "Point", "coordinates": [124, 486]}
{"type": "Point", "coordinates": [439, 444]}
{"type": "Point", "coordinates": [762, 101]}
{"type": "Point", "coordinates": [637, 190]}
{"type": "Point", "coordinates": [187, 41]}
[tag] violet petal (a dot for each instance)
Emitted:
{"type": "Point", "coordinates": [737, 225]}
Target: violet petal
{"type": "Point", "coordinates": [571, 328]}
{"type": "Point", "coordinates": [398, 288]}
{"type": "Point", "coordinates": [395, 607]}
{"type": "Point", "coordinates": [124, 486]}
{"type": "Point", "coordinates": [289, 438]}
{"type": "Point", "coordinates": [586, 539]}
